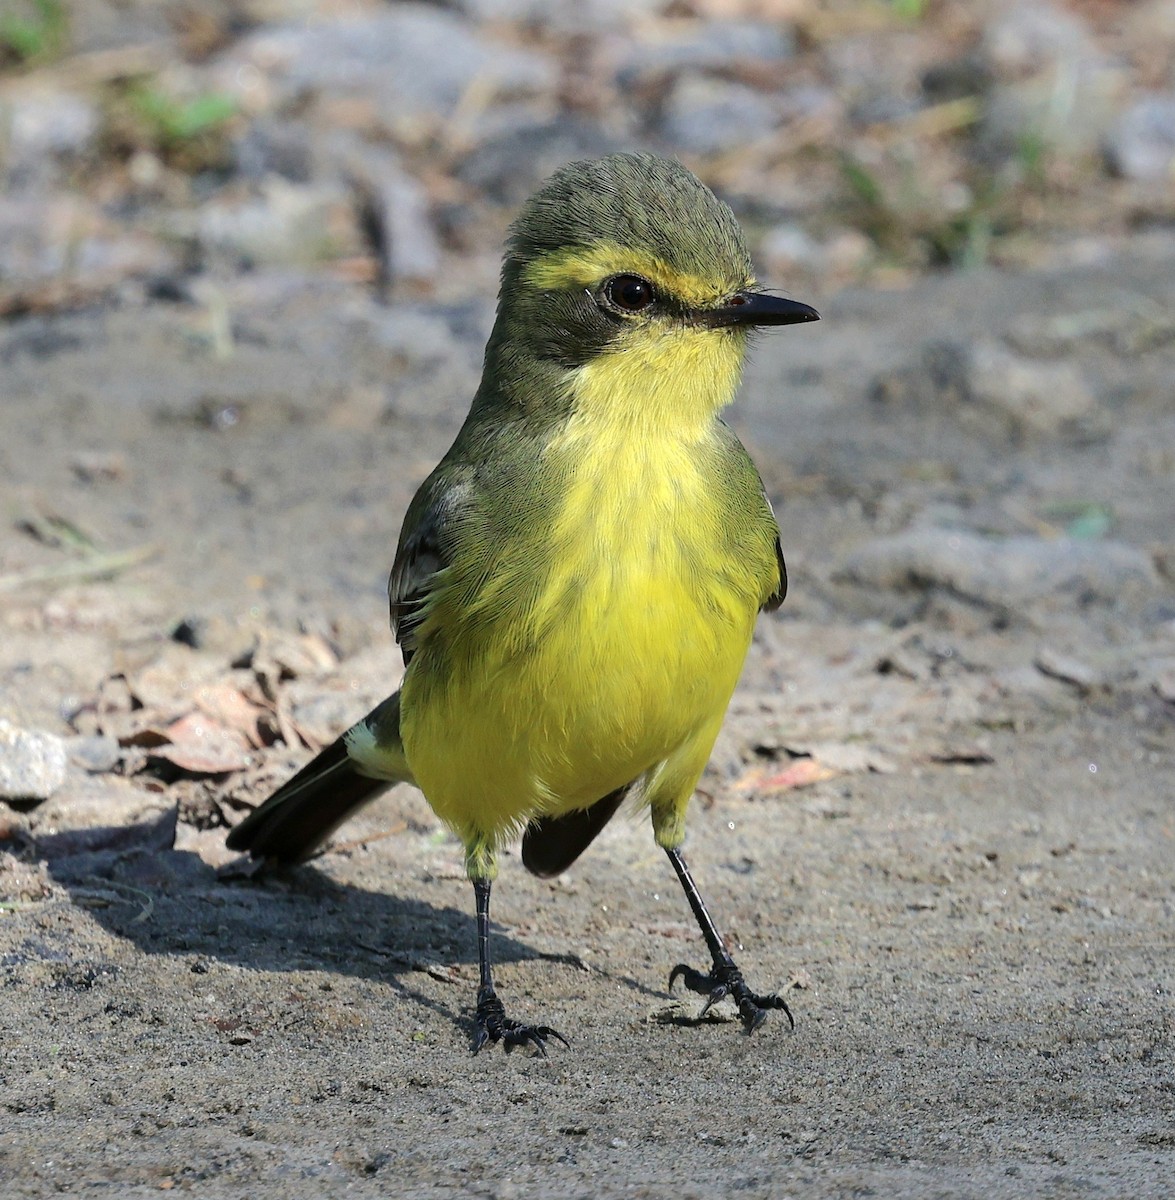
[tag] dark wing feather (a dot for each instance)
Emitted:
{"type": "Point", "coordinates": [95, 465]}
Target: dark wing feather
{"type": "Point", "coordinates": [425, 550]}
{"type": "Point", "coordinates": [776, 598]}
{"type": "Point", "coordinates": [410, 584]}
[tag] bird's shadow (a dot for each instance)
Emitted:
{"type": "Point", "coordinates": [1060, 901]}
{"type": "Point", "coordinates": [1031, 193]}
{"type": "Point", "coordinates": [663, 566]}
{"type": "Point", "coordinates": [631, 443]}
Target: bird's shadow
{"type": "Point", "coordinates": [168, 901]}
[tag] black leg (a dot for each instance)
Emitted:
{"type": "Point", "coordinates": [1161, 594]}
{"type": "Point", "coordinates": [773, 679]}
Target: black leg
{"type": "Point", "coordinates": [492, 1023]}
{"type": "Point", "coordinates": [724, 979]}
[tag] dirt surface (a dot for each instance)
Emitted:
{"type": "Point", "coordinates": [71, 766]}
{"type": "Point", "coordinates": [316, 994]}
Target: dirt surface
{"type": "Point", "coordinates": [969, 900]}
{"type": "Point", "coordinates": [248, 253]}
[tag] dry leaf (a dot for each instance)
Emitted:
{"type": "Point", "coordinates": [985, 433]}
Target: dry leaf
{"type": "Point", "coordinates": [802, 772]}
{"type": "Point", "coordinates": [228, 706]}
{"type": "Point", "coordinates": [204, 747]}
{"type": "Point", "coordinates": [173, 676]}
{"type": "Point", "coordinates": [1067, 669]}
{"type": "Point", "coordinates": [962, 755]}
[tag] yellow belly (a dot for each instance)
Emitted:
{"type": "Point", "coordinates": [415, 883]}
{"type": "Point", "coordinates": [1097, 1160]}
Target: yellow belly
{"type": "Point", "coordinates": [624, 655]}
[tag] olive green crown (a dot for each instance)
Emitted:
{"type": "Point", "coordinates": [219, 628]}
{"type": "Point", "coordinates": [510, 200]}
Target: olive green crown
{"type": "Point", "coordinates": [638, 201]}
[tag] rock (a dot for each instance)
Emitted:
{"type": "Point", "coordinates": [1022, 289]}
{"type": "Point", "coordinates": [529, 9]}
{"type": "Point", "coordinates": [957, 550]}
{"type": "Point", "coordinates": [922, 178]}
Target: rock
{"type": "Point", "coordinates": [62, 241]}
{"type": "Point", "coordinates": [882, 106]}
{"type": "Point", "coordinates": [1162, 679]}
{"type": "Point", "coordinates": [818, 109]}
{"type": "Point", "coordinates": [847, 253]}
{"type": "Point", "coordinates": [984, 380]}
{"type": "Point", "coordinates": [398, 215]}
{"type": "Point", "coordinates": [1024, 39]}
{"type": "Point", "coordinates": [1001, 573]}
{"type": "Point", "coordinates": [57, 249]}
{"type": "Point", "coordinates": [707, 46]}
{"type": "Point", "coordinates": [96, 753]}
{"type": "Point", "coordinates": [707, 116]}
{"type": "Point", "coordinates": [1050, 82]}
{"type": "Point", "coordinates": [1141, 143]}
{"type": "Point", "coordinates": [1149, 28]}
{"type": "Point", "coordinates": [788, 249]}
{"type": "Point", "coordinates": [1037, 396]}
{"type": "Point", "coordinates": [39, 124]}
{"type": "Point", "coordinates": [1067, 669]}
{"type": "Point", "coordinates": [277, 223]}
{"type": "Point", "coordinates": [410, 62]}
{"type": "Point", "coordinates": [274, 147]}
{"type": "Point", "coordinates": [583, 16]}
{"type": "Point", "coordinates": [32, 764]}
{"type": "Point", "coordinates": [94, 809]}
{"type": "Point", "coordinates": [510, 165]}
{"type": "Point", "coordinates": [22, 881]}
{"type": "Point", "coordinates": [418, 336]}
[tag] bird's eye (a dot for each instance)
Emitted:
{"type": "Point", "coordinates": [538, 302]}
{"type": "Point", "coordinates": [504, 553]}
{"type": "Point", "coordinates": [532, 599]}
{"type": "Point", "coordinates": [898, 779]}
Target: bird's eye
{"type": "Point", "coordinates": [629, 293]}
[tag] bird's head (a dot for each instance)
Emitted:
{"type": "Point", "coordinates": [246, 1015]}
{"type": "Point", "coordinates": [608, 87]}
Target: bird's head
{"type": "Point", "coordinates": [626, 282]}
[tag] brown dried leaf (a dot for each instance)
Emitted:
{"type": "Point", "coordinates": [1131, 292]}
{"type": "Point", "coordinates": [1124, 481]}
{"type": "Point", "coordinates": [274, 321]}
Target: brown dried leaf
{"type": "Point", "coordinates": [280, 655]}
{"type": "Point", "coordinates": [171, 678]}
{"type": "Point", "coordinates": [291, 735]}
{"type": "Point", "coordinates": [147, 736]}
{"type": "Point", "coordinates": [112, 699]}
{"type": "Point", "coordinates": [208, 759]}
{"type": "Point", "coordinates": [204, 747]}
{"type": "Point", "coordinates": [770, 780]}
{"type": "Point", "coordinates": [1066, 668]}
{"type": "Point", "coordinates": [228, 706]}
{"type": "Point", "coordinates": [964, 755]}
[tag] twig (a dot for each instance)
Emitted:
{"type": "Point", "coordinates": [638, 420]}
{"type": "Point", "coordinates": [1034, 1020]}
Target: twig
{"type": "Point", "coordinates": [100, 897]}
{"type": "Point", "coordinates": [356, 843]}
{"type": "Point", "coordinates": [93, 566]}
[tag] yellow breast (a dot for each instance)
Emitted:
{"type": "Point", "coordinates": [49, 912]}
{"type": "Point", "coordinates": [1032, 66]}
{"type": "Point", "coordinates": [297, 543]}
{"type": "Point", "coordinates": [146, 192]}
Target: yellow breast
{"type": "Point", "coordinates": [632, 632]}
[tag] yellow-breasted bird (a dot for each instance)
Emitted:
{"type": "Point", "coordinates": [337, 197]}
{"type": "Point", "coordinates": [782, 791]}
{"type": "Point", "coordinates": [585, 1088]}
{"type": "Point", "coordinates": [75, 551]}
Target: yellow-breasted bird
{"type": "Point", "coordinates": [577, 581]}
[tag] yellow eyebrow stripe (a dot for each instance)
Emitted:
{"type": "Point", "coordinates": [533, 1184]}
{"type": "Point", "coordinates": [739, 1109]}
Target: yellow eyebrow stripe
{"type": "Point", "coordinates": [587, 266]}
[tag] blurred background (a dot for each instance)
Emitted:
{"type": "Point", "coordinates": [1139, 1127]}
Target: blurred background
{"type": "Point", "coordinates": [148, 145]}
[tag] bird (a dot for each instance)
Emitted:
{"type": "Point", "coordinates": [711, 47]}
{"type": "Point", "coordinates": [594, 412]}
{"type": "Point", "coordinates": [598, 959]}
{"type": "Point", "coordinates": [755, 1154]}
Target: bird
{"type": "Point", "coordinates": [577, 581]}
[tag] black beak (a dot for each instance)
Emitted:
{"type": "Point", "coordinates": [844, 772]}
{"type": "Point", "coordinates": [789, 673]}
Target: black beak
{"type": "Point", "coordinates": [757, 308]}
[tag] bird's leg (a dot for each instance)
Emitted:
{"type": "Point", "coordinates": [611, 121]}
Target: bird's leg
{"type": "Point", "coordinates": [492, 1023]}
{"type": "Point", "coordinates": [724, 978]}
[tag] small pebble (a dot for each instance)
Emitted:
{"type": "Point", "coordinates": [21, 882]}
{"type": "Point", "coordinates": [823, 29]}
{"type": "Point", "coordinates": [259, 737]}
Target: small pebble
{"type": "Point", "coordinates": [32, 764]}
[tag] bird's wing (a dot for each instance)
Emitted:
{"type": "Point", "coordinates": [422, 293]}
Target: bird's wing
{"type": "Point", "coordinates": [776, 598]}
{"type": "Point", "coordinates": [738, 465]}
{"type": "Point", "coordinates": [424, 552]}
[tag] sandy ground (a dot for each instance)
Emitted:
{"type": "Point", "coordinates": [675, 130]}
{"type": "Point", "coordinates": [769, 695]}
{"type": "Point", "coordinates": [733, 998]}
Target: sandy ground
{"type": "Point", "coordinates": [970, 905]}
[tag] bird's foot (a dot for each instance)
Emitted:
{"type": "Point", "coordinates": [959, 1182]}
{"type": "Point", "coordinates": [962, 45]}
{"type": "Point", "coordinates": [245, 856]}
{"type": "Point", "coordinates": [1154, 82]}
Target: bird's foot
{"type": "Point", "coordinates": [494, 1026]}
{"type": "Point", "coordinates": [725, 979]}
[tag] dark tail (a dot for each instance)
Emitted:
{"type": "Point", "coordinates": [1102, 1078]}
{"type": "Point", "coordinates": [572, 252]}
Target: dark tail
{"type": "Point", "coordinates": [306, 810]}
{"type": "Point", "coordinates": [551, 844]}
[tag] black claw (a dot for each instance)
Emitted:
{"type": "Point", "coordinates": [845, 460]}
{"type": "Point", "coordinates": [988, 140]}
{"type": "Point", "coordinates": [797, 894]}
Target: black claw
{"type": "Point", "coordinates": [725, 979]}
{"type": "Point", "coordinates": [494, 1026]}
